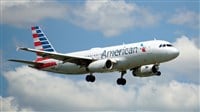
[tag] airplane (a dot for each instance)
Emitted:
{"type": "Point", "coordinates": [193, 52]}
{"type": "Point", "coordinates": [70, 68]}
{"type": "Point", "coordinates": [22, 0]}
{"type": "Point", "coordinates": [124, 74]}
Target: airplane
{"type": "Point", "coordinates": [141, 58]}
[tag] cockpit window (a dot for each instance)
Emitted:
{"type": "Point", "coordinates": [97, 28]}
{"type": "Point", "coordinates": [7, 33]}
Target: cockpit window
{"type": "Point", "coordinates": [165, 45]}
{"type": "Point", "coordinates": [169, 45]}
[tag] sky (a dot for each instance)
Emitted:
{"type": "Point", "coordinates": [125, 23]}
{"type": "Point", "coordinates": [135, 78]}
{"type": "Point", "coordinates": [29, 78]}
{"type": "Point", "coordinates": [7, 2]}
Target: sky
{"type": "Point", "coordinates": [83, 24]}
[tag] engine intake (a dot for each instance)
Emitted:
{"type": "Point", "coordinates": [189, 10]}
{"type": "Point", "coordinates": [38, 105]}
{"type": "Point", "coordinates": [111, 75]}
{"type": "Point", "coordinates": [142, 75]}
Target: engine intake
{"type": "Point", "coordinates": [101, 65]}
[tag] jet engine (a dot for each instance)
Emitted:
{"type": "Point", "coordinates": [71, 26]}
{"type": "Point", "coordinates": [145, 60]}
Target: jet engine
{"type": "Point", "coordinates": [101, 65]}
{"type": "Point", "coordinates": [146, 70]}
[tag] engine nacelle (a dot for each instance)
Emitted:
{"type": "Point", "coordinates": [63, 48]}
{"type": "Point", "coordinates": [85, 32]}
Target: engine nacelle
{"type": "Point", "coordinates": [146, 70]}
{"type": "Point", "coordinates": [101, 65]}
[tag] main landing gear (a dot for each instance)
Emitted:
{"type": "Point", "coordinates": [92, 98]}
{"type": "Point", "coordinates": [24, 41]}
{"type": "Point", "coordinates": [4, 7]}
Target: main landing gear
{"type": "Point", "coordinates": [121, 80]}
{"type": "Point", "coordinates": [90, 78]}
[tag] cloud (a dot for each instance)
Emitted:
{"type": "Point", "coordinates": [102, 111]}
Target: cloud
{"type": "Point", "coordinates": [8, 104]}
{"type": "Point", "coordinates": [112, 17]}
{"type": "Point", "coordinates": [186, 65]}
{"type": "Point", "coordinates": [44, 92]}
{"type": "Point", "coordinates": [27, 12]}
{"type": "Point", "coordinates": [186, 18]}
{"type": "Point", "coordinates": [108, 16]}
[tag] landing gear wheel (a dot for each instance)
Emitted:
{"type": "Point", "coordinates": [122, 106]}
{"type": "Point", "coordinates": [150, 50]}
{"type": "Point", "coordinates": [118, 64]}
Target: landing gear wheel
{"type": "Point", "coordinates": [90, 78]}
{"type": "Point", "coordinates": [121, 80]}
{"type": "Point", "coordinates": [87, 78]}
{"type": "Point", "coordinates": [158, 73]}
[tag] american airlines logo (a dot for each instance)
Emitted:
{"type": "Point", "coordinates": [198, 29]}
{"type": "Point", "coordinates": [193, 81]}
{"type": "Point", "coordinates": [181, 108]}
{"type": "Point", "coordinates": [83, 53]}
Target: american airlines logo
{"type": "Point", "coordinates": [119, 52]}
{"type": "Point", "coordinates": [143, 49]}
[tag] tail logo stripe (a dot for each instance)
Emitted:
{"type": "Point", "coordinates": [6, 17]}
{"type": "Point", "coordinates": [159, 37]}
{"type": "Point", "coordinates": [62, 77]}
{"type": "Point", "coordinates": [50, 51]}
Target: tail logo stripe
{"type": "Point", "coordinates": [35, 35]}
{"type": "Point", "coordinates": [38, 31]}
{"type": "Point", "coordinates": [45, 42]}
{"type": "Point", "coordinates": [41, 39]}
{"type": "Point", "coordinates": [40, 35]}
{"type": "Point", "coordinates": [37, 43]}
{"type": "Point", "coordinates": [36, 27]}
{"type": "Point", "coordinates": [50, 50]}
{"type": "Point", "coordinates": [46, 46]}
{"type": "Point", "coordinates": [33, 28]}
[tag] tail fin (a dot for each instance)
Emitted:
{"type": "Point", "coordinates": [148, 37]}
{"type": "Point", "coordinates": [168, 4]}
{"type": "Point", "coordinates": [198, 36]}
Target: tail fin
{"type": "Point", "coordinates": [41, 41]}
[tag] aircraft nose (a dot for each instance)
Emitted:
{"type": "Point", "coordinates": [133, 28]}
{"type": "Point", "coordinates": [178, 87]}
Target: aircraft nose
{"type": "Point", "coordinates": [174, 52]}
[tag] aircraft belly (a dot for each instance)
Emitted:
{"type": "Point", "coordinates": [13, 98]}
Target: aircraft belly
{"type": "Point", "coordinates": [133, 61]}
{"type": "Point", "coordinates": [142, 59]}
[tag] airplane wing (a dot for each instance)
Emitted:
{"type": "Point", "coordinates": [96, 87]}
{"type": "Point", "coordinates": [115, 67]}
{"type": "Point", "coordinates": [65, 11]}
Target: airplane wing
{"type": "Point", "coordinates": [26, 62]}
{"type": "Point", "coordinates": [79, 60]}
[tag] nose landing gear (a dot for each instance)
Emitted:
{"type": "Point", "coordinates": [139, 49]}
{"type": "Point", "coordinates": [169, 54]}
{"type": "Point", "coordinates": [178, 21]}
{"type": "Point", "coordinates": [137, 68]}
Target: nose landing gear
{"type": "Point", "coordinates": [90, 78]}
{"type": "Point", "coordinates": [158, 73]}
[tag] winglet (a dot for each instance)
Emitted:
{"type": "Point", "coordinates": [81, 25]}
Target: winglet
{"type": "Point", "coordinates": [21, 48]}
{"type": "Point", "coordinates": [17, 48]}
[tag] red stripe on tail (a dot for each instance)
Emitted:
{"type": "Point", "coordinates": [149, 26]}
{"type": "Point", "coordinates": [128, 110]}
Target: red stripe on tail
{"type": "Point", "coordinates": [37, 43]}
{"type": "Point", "coordinates": [35, 35]}
{"type": "Point", "coordinates": [33, 28]}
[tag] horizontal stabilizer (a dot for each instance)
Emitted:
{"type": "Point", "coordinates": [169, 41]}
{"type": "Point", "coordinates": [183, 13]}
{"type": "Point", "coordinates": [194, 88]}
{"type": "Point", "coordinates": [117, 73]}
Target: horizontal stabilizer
{"type": "Point", "coordinates": [26, 62]}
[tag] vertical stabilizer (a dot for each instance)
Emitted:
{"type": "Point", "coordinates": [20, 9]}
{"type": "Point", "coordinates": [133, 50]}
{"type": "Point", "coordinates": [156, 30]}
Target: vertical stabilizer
{"type": "Point", "coordinates": [41, 41]}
